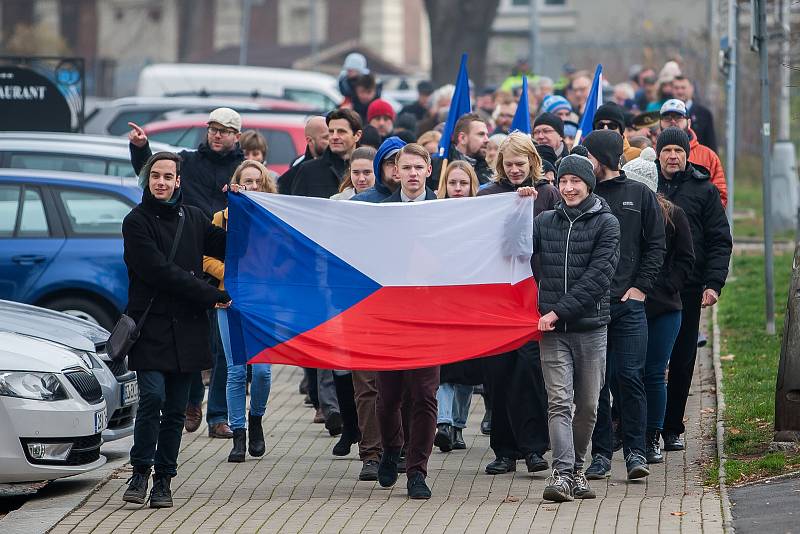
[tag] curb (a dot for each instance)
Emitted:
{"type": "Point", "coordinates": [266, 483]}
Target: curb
{"type": "Point", "coordinates": [725, 502]}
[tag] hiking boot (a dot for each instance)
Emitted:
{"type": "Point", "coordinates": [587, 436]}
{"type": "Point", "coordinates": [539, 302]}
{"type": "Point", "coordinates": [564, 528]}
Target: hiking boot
{"type": "Point", "coordinates": [387, 468]}
{"type": "Point", "coordinates": [536, 463]}
{"type": "Point", "coordinates": [599, 469]}
{"type": "Point", "coordinates": [318, 416]}
{"type": "Point", "coordinates": [673, 442]}
{"type": "Point", "coordinates": [500, 466]}
{"type": "Point", "coordinates": [160, 495]}
{"type": "Point", "coordinates": [444, 437]}
{"type": "Point", "coordinates": [220, 430]}
{"type": "Point", "coordinates": [347, 439]}
{"type": "Point", "coordinates": [653, 448]}
{"type": "Point", "coordinates": [239, 446]}
{"type": "Point", "coordinates": [637, 466]}
{"type": "Point", "coordinates": [137, 486]}
{"type": "Point", "coordinates": [255, 444]}
{"type": "Point", "coordinates": [369, 470]}
{"type": "Point", "coordinates": [334, 423]}
{"type": "Point", "coordinates": [458, 439]}
{"type": "Point", "coordinates": [194, 416]}
{"type": "Point", "coordinates": [581, 489]}
{"type": "Point", "coordinates": [417, 488]}
{"type": "Point", "coordinates": [486, 424]}
{"type": "Point", "coordinates": [559, 487]}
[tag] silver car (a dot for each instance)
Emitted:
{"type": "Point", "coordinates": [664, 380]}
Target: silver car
{"type": "Point", "coordinates": [87, 340]}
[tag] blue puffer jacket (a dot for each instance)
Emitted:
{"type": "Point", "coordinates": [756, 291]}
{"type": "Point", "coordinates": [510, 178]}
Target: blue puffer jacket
{"type": "Point", "coordinates": [379, 192]}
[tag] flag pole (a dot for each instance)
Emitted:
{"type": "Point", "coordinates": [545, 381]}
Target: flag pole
{"type": "Point", "coordinates": [443, 169]}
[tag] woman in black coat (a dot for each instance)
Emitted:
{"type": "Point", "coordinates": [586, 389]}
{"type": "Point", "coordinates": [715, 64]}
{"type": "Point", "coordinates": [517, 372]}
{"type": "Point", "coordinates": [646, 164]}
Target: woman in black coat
{"type": "Point", "coordinates": [173, 341]}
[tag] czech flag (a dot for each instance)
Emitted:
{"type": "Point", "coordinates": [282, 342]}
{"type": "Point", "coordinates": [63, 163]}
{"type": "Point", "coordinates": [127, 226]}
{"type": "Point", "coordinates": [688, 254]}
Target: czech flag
{"type": "Point", "coordinates": [352, 285]}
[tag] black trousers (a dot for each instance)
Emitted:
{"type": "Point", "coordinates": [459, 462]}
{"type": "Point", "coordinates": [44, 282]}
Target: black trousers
{"type": "Point", "coordinates": [347, 402]}
{"type": "Point", "coordinates": [681, 363]}
{"type": "Point", "coordinates": [519, 403]}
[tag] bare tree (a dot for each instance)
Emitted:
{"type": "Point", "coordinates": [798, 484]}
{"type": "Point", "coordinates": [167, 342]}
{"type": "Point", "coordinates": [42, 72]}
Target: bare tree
{"type": "Point", "coordinates": [460, 26]}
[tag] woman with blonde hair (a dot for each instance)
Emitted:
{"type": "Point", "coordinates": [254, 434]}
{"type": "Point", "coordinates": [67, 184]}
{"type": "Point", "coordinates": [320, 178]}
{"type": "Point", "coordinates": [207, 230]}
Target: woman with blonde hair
{"type": "Point", "coordinates": [459, 181]}
{"type": "Point", "coordinates": [430, 140]}
{"type": "Point", "coordinates": [249, 176]}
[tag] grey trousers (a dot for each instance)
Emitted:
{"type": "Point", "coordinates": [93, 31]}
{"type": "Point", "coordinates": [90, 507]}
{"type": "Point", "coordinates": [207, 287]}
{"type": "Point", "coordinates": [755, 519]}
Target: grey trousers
{"type": "Point", "coordinates": [573, 367]}
{"type": "Point", "coordinates": [326, 391]}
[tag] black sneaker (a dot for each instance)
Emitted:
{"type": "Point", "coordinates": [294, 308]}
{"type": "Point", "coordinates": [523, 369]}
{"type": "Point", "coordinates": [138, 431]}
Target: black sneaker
{"type": "Point", "coordinates": [334, 423]}
{"type": "Point", "coordinates": [444, 437]}
{"type": "Point", "coordinates": [387, 468]}
{"type": "Point", "coordinates": [501, 466]}
{"type": "Point", "coordinates": [637, 466]}
{"type": "Point", "coordinates": [137, 487]}
{"type": "Point", "coordinates": [160, 495]}
{"type": "Point", "coordinates": [599, 469]}
{"type": "Point", "coordinates": [486, 423]}
{"type": "Point", "coordinates": [369, 471]}
{"type": "Point", "coordinates": [536, 463]}
{"type": "Point", "coordinates": [346, 440]}
{"type": "Point", "coordinates": [559, 487]}
{"type": "Point", "coordinates": [458, 440]}
{"type": "Point", "coordinates": [653, 448]}
{"type": "Point", "coordinates": [673, 442]}
{"type": "Point", "coordinates": [417, 488]}
{"type": "Point", "coordinates": [581, 489]}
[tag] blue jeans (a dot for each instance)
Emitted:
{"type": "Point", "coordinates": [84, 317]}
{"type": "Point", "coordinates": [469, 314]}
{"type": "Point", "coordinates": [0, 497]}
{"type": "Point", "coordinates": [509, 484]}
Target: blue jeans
{"type": "Point", "coordinates": [236, 390]}
{"type": "Point", "coordinates": [454, 401]}
{"type": "Point", "coordinates": [625, 360]}
{"type": "Point", "coordinates": [662, 331]}
{"type": "Point", "coordinates": [159, 421]}
{"type": "Point", "coordinates": [217, 409]}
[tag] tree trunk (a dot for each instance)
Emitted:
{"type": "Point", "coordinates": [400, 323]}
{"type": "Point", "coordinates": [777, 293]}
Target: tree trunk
{"type": "Point", "coordinates": [787, 394]}
{"type": "Point", "coordinates": [459, 26]}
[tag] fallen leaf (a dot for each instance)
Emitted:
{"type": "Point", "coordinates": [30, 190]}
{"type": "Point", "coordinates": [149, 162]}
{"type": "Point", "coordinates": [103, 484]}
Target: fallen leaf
{"type": "Point", "coordinates": [511, 498]}
{"type": "Point", "coordinates": [708, 410]}
{"type": "Point", "coordinates": [727, 358]}
{"type": "Point", "coordinates": [734, 431]}
{"type": "Point", "coordinates": [679, 514]}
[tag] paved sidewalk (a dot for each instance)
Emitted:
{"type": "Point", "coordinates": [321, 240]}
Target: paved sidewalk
{"type": "Point", "coordinates": [298, 486]}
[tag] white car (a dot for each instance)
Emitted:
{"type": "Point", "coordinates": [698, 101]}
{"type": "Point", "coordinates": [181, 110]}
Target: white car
{"type": "Point", "coordinates": [52, 411]}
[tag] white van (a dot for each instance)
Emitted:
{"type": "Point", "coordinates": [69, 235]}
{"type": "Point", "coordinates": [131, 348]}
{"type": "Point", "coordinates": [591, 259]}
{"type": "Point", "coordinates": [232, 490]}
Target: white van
{"type": "Point", "coordinates": [185, 79]}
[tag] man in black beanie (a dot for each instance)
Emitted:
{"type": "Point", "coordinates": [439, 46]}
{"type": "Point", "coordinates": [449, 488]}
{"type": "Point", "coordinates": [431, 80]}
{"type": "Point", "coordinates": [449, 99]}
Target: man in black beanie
{"type": "Point", "coordinates": [548, 129]}
{"type": "Point", "coordinates": [642, 249]}
{"type": "Point", "coordinates": [610, 116]}
{"type": "Point", "coordinates": [689, 186]}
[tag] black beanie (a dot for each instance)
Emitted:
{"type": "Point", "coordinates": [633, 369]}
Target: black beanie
{"type": "Point", "coordinates": [550, 120]}
{"type": "Point", "coordinates": [605, 146]}
{"type": "Point", "coordinates": [579, 166]}
{"type": "Point", "coordinates": [610, 111]}
{"type": "Point", "coordinates": [547, 153]}
{"type": "Point", "coordinates": [672, 136]}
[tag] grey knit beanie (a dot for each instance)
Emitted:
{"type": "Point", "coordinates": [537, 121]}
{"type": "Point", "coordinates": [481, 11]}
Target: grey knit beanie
{"type": "Point", "coordinates": [579, 166]}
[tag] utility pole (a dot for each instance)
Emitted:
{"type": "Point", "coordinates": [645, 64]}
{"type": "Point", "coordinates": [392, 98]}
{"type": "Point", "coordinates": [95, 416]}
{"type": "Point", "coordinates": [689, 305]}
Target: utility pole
{"type": "Point", "coordinates": [533, 42]}
{"type": "Point", "coordinates": [730, 104]}
{"type": "Point", "coordinates": [245, 43]}
{"type": "Point", "coordinates": [312, 18]}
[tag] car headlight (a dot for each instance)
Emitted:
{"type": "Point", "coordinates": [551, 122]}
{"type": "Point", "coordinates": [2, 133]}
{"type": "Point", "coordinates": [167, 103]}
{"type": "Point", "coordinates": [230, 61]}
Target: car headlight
{"type": "Point", "coordinates": [31, 385]}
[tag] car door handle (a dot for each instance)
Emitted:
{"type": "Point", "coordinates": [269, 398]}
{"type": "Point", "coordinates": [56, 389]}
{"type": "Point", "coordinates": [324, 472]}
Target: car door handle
{"type": "Point", "coordinates": [28, 259]}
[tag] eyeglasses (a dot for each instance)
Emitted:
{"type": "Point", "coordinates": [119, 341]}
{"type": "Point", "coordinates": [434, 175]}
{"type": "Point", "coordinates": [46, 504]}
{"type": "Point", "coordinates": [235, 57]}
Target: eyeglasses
{"type": "Point", "coordinates": [213, 130]}
{"type": "Point", "coordinates": [543, 131]}
{"type": "Point", "coordinates": [673, 118]}
{"type": "Point", "coordinates": [606, 125]}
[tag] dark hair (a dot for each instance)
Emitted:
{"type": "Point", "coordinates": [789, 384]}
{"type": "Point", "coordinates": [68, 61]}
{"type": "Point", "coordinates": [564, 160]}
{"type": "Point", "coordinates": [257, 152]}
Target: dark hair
{"type": "Point", "coordinates": [252, 140]}
{"type": "Point", "coordinates": [159, 156]}
{"type": "Point", "coordinates": [463, 124]}
{"type": "Point", "coordinates": [365, 81]}
{"type": "Point", "coordinates": [352, 118]}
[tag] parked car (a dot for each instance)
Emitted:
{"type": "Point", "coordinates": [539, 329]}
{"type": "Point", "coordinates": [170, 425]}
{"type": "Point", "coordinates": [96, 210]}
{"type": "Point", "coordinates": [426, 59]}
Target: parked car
{"type": "Point", "coordinates": [52, 411]}
{"type": "Point", "coordinates": [70, 152]}
{"type": "Point", "coordinates": [112, 118]}
{"type": "Point", "coordinates": [181, 79]}
{"type": "Point", "coordinates": [88, 341]}
{"type": "Point", "coordinates": [284, 133]}
{"type": "Point", "coordinates": [61, 241]}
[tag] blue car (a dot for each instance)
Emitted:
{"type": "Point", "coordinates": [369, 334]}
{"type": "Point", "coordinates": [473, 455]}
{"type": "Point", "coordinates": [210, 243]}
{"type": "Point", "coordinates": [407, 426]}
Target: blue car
{"type": "Point", "coordinates": [61, 241]}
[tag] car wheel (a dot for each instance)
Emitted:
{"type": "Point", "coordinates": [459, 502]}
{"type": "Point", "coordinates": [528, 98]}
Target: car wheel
{"type": "Point", "coordinates": [84, 309]}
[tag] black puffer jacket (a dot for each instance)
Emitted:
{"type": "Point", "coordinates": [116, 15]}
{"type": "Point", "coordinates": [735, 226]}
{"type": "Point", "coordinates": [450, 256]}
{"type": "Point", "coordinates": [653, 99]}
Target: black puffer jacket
{"type": "Point", "coordinates": [174, 337]}
{"type": "Point", "coordinates": [319, 177]}
{"type": "Point", "coordinates": [203, 174]}
{"type": "Point", "coordinates": [693, 191]}
{"type": "Point", "coordinates": [578, 249]}
{"type": "Point", "coordinates": [641, 247]}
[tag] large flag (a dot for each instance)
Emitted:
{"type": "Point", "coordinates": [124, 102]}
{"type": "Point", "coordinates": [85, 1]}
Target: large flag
{"type": "Point", "coordinates": [522, 118]}
{"type": "Point", "coordinates": [353, 285]}
{"type": "Point", "coordinates": [594, 101]}
{"type": "Point", "coordinates": [459, 105]}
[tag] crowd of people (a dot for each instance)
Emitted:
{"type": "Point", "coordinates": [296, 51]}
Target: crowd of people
{"type": "Point", "coordinates": [630, 242]}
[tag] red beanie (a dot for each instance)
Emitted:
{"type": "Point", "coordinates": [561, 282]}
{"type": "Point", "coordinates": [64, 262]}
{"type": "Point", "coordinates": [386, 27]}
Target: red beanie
{"type": "Point", "coordinates": [380, 108]}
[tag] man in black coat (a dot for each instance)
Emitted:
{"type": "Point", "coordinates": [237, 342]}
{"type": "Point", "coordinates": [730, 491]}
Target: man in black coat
{"type": "Point", "coordinates": [470, 143]}
{"type": "Point", "coordinates": [205, 170]}
{"type": "Point", "coordinates": [316, 132]}
{"type": "Point", "coordinates": [689, 187]}
{"type": "Point", "coordinates": [642, 249]}
{"type": "Point", "coordinates": [173, 343]}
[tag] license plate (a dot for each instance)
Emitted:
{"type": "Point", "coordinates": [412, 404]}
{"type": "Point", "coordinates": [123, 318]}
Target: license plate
{"type": "Point", "coordinates": [130, 392]}
{"type": "Point", "coordinates": [100, 420]}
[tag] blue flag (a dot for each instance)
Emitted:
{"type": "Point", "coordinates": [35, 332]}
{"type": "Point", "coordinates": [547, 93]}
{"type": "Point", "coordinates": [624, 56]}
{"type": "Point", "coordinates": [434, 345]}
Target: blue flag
{"type": "Point", "coordinates": [594, 101]}
{"type": "Point", "coordinates": [459, 106]}
{"type": "Point", "coordinates": [522, 118]}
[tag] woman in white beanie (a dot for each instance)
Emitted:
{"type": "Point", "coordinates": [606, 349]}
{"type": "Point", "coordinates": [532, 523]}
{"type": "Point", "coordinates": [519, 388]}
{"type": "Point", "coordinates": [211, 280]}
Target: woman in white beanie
{"type": "Point", "coordinates": [663, 305]}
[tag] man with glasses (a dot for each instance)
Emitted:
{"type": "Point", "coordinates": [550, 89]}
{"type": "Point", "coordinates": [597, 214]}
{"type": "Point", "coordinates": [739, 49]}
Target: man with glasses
{"type": "Point", "coordinates": [674, 113]}
{"type": "Point", "coordinates": [609, 116]}
{"type": "Point", "coordinates": [548, 129]}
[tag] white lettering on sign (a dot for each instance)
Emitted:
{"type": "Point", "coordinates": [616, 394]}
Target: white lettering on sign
{"type": "Point", "coordinates": [18, 92]}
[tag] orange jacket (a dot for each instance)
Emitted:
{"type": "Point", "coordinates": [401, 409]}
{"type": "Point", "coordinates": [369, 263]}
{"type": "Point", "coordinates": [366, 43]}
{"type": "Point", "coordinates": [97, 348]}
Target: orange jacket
{"type": "Point", "coordinates": [702, 155]}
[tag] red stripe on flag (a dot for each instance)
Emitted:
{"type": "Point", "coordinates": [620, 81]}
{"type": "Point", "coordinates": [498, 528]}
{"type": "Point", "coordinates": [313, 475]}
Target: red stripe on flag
{"type": "Point", "coordinates": [411, 327]}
